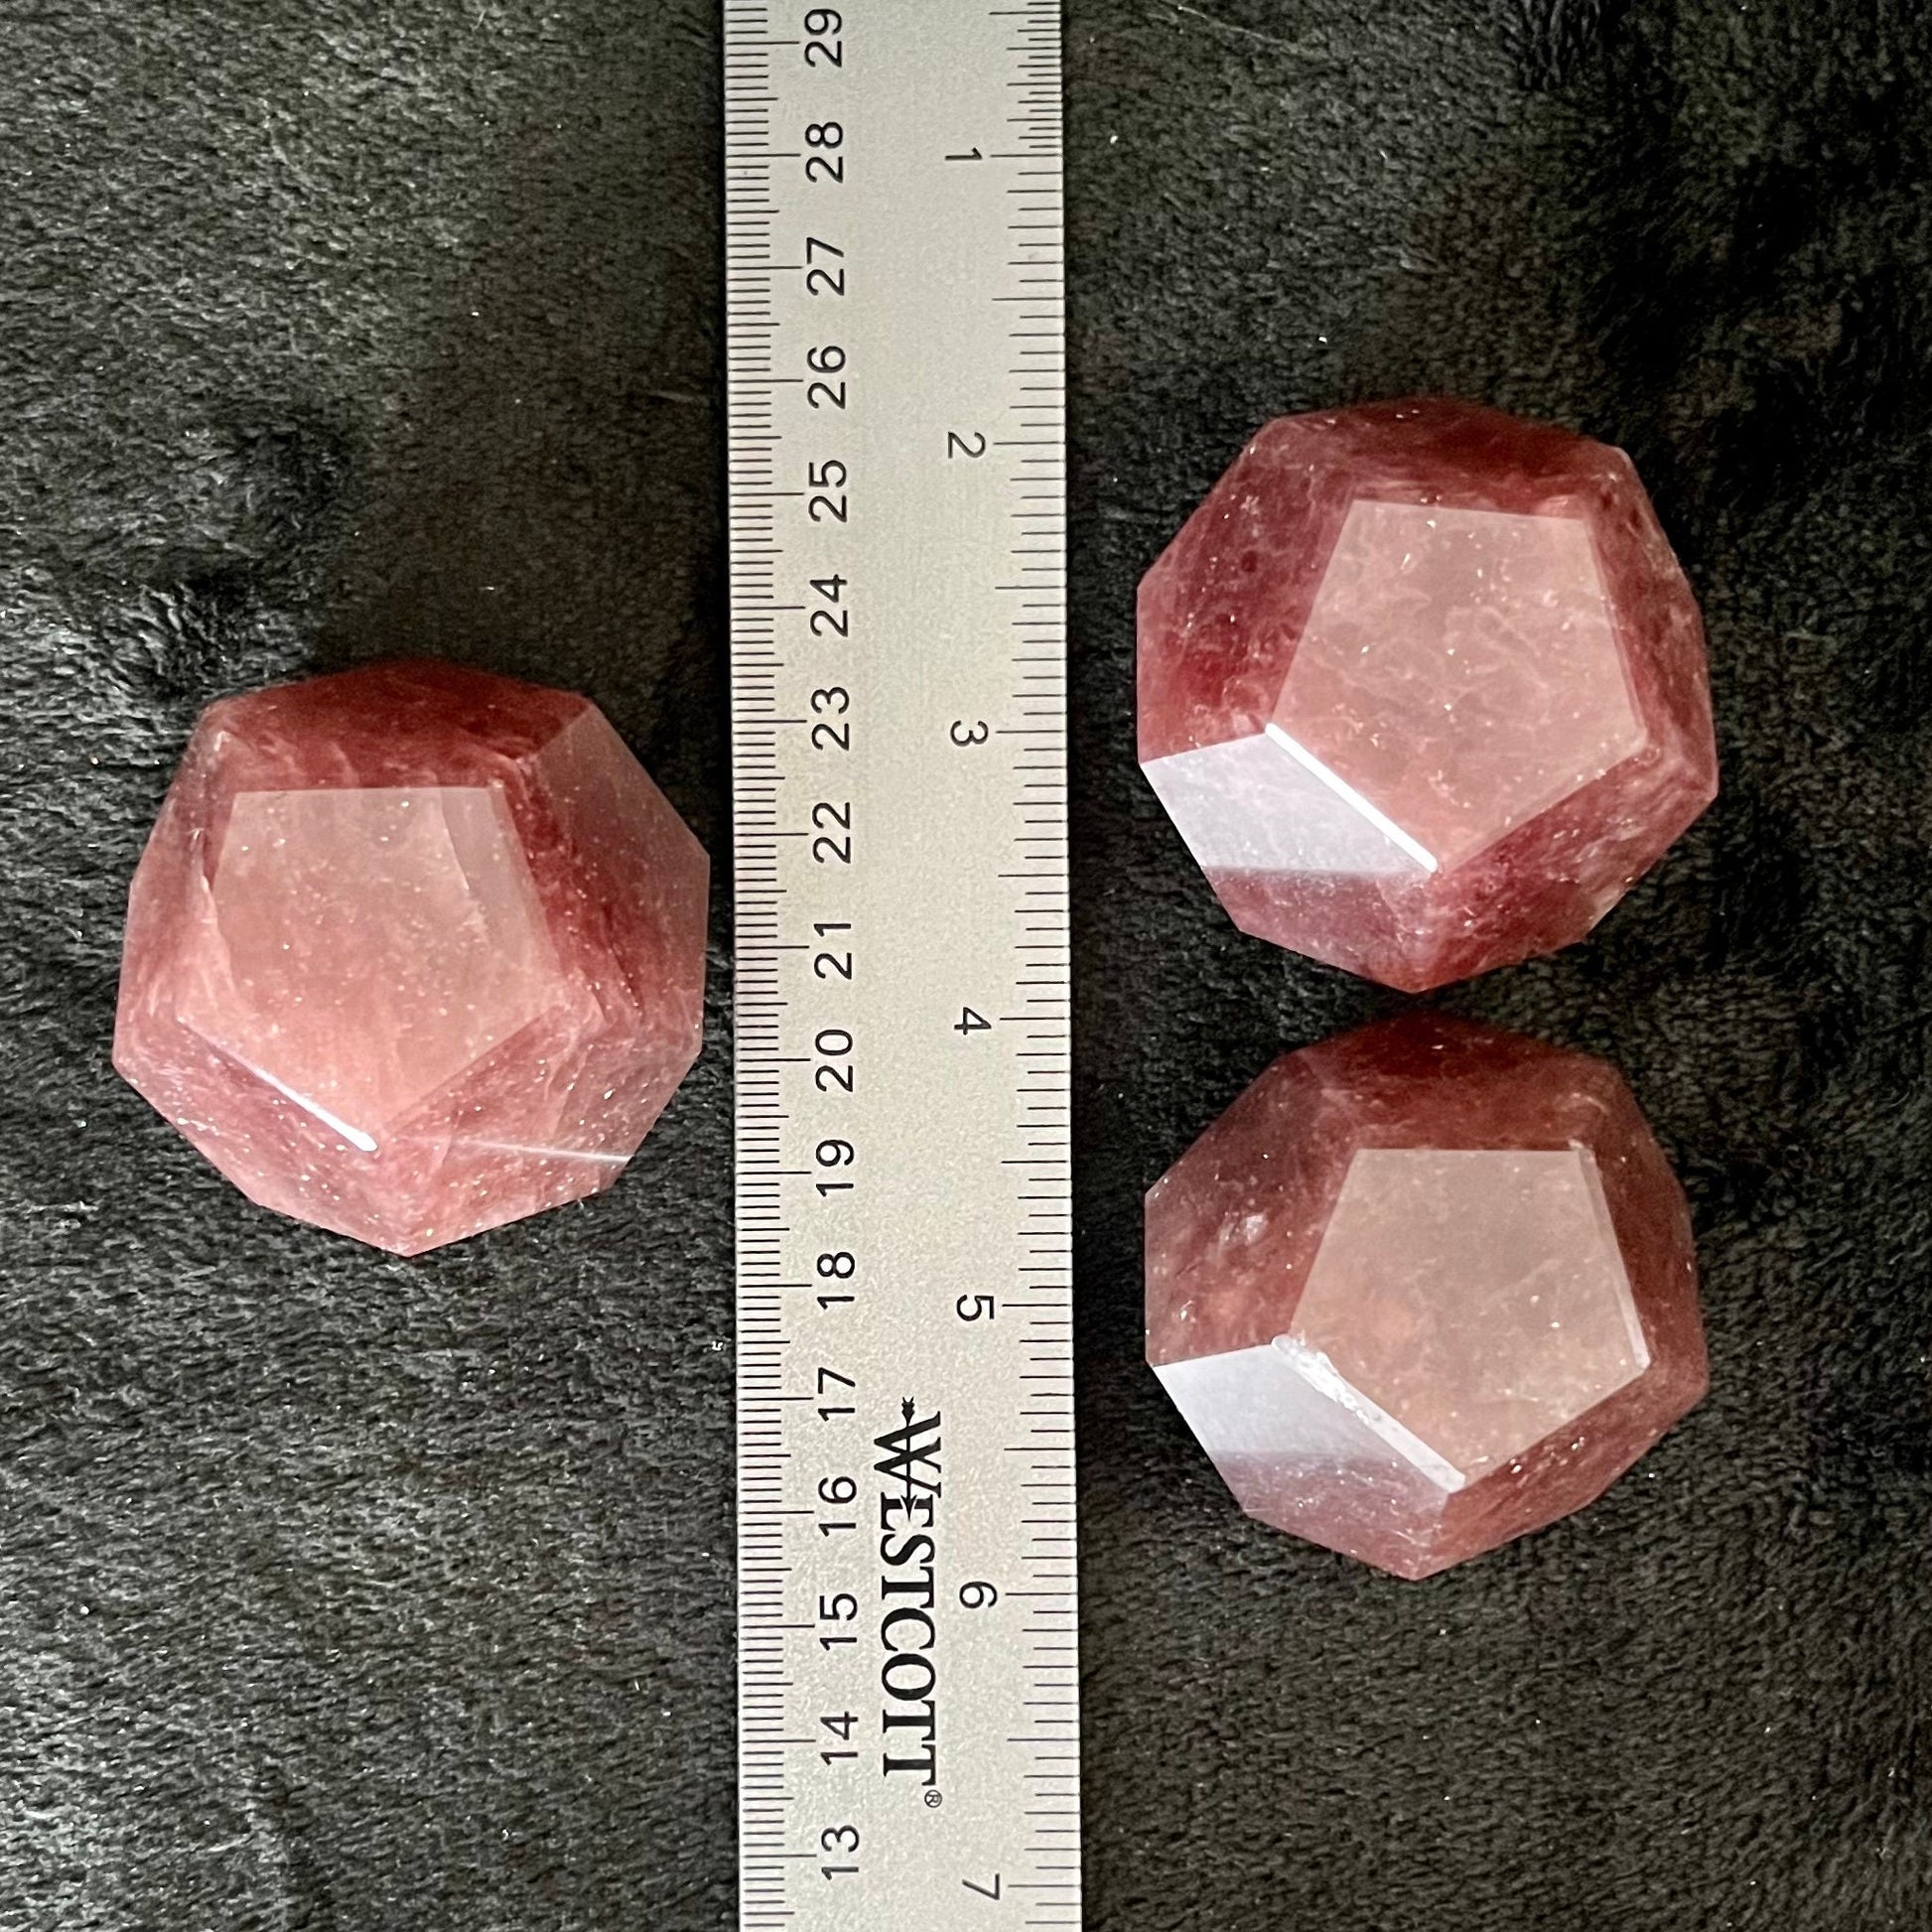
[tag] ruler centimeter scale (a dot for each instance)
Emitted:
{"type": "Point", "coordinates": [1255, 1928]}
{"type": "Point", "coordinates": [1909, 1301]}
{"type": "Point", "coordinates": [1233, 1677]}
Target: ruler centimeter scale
{"type": "Point", "coordinates": [908, 1732]}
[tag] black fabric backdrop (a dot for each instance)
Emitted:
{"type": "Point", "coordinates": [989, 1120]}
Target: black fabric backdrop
{"type": "Point", "coordinates": [341, 1592]}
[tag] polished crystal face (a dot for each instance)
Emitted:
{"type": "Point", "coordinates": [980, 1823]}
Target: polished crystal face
{"type": "Point", "coordinates": [310, 887]}
{"type": "Point", "coordinates": [1473, 1296]}
{"type": "Point", "coordinates": [1424, 1289]}
{"type": "Point", "coordinates": [413, 951]}
{"type": "Point", "coordinates": [1422, 688]}
{"type": "Point", "coordinates": [1459, 674]}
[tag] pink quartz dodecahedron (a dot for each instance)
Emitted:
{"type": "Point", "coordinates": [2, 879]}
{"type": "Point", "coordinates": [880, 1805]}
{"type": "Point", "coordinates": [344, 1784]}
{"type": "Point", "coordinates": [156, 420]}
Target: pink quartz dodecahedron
{"type": "Point", "coordinates": [1424, 1289]}
{"type": "Point", "coordinates": [413, 951]}
{"type": "Point", "coordinates": [1424, 688]}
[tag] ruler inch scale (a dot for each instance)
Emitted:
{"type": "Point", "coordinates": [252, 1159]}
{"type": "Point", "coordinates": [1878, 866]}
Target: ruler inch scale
{"type": "Point", "coordinates": [908, 1684]}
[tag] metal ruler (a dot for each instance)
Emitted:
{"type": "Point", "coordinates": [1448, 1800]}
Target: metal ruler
{"type": "Point", "coordinates": [909, 1682]}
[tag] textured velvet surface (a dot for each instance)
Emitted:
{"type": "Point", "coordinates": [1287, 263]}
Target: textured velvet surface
{"type": "Point", "coordinates": [351, 1594]}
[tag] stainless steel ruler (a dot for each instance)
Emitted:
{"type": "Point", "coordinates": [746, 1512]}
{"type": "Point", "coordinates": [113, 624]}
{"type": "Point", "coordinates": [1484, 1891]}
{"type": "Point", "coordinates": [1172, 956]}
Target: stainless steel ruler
{"type": "Point", "coordinates": [909, 1682]}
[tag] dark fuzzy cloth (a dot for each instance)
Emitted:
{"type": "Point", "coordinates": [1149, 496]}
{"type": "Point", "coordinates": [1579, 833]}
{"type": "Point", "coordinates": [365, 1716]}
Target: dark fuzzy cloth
{"type": "Point", "coordinates": [346, 1594]}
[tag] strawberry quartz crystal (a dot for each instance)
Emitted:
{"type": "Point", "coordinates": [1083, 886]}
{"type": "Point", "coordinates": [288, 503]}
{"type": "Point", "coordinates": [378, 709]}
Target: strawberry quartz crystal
{"type": "Point", "coordinates": [1424, 688]}
{"type": "Point", "coordinates": [413, 951]}
{"type": "Point", "coordinates": [1424, 1289]}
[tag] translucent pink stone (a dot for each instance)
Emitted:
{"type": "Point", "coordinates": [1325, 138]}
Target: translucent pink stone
{"type": "Point", "coordinates": [1424, 1289]}
{"type": "Point", "coordinates": [413, 951]}
{"type": "Point", "coordinates": [1424, 688]}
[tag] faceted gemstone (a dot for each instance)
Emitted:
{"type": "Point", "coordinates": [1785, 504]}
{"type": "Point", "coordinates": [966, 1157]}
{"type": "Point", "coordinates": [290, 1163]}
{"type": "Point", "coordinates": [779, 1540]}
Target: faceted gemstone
{"type": "Point", "coordinates": [1424, 1289]}
{"type": "Point", "coordinates": [413, 951]}
{"type": "Point", "coordinates": [1424, 688]}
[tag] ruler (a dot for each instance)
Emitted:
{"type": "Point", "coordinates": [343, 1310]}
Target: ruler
{"type": "Point", "coordinates": [909, 1744]}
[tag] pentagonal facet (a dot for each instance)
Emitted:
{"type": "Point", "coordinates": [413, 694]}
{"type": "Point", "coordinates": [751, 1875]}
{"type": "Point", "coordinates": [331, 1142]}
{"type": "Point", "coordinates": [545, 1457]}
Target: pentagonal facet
{"type": "Point", "coordinates": [1474, 1296]}
{"type": "Point", "coordinates": [413, 951]}
{"type": "Point", "coordinates": [1424, 1289]}
{"type": "Point", "coordinates": [378, 941]}
{"type": "Point", "coordinates": [1459, 672]}
{"type": "Point", "coordinates": [1422, 688]}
